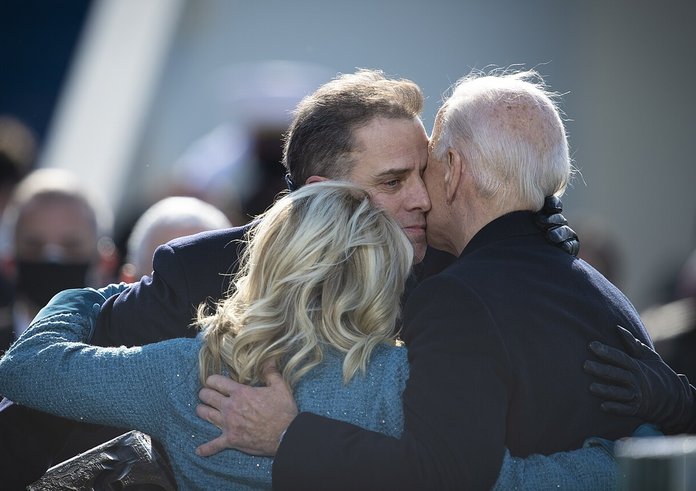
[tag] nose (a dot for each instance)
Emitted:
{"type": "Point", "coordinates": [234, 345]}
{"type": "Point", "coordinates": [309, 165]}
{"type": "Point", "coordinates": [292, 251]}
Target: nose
{"type": "Point", "coordinates": [419, 196]}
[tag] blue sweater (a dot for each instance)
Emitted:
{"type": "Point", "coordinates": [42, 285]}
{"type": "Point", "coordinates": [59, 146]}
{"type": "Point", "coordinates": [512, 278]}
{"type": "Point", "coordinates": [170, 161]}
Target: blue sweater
{"type": "Point", "coordinates": [154, 389]}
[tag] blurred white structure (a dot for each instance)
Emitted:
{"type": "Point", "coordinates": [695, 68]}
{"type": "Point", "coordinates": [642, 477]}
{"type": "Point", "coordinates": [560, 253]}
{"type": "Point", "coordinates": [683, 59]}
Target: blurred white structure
{"type": "Point", "coordinates": [108, 96]}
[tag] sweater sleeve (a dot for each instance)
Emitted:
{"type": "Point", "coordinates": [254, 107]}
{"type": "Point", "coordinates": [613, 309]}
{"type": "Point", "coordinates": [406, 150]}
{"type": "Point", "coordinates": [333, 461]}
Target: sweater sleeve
{"type": "Point", "coordinates": [587, 469]}
{"type": "Point", "coordinates": [50, 368]}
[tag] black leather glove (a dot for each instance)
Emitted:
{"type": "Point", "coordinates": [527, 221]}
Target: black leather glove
{"type": "Point", "coordinates": [555, 226]}
{"type": "Point", "coordinates": [639, 383]}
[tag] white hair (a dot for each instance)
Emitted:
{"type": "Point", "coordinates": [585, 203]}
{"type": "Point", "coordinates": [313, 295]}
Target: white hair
{"type": "Point", "coordinates": [167, 219]}
{"type": "Point", "coordinates": [509, 131]}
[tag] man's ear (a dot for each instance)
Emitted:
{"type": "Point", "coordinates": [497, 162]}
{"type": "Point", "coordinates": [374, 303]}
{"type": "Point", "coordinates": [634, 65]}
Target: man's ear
{"type": "Point", "coordinates": [453, 173]}
{"type": "Point", "coordinates": [312, 179]}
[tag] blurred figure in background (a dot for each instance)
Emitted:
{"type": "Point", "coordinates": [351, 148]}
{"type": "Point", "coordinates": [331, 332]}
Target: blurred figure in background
{"type": "Point", "coordinates": [672, 325]}
{"type": "Point", "coordinates": [169, 218]}
{"type": "Point", "coordinates": [236, 166]}
{"type": "Point", "coordinates": [17, 157]}
{"type": "Point", "coordinates": [599, 247]}
{"type": "Point", "coordinates": [671, 321]}
{"type": "Point", "coordinates": [55, 235]}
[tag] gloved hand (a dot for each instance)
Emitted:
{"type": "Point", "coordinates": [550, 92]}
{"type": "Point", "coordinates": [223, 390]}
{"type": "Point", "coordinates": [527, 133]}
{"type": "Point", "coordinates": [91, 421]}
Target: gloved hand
{"type": "Point", "coordinates": [639, 383]}
{"type": "Point", "coordinates": [555, 226]}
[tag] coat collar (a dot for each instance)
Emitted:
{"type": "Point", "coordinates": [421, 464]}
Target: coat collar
{"type": "Point", "coordinates": [514, 224]}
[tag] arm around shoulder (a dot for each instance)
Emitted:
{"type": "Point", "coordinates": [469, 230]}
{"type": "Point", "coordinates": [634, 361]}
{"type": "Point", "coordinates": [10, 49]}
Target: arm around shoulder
{"type": "Point", "coordinates": [187, 272]}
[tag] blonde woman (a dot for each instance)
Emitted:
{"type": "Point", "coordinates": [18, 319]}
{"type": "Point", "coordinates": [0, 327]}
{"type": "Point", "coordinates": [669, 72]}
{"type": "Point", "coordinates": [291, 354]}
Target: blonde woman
{"type": "Point", "coordinates": [317, 294]}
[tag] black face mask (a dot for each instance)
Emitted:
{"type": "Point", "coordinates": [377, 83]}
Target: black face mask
{"type": "Point", "coordinates": [39, 281]}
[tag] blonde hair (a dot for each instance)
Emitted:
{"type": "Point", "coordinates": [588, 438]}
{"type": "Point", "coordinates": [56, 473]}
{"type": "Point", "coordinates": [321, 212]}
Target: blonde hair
{"type": "Point", "coordinates": [323, 268]}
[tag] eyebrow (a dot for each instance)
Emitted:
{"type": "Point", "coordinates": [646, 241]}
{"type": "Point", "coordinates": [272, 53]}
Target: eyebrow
{"type": "Point", "coordinates": [399, 171]}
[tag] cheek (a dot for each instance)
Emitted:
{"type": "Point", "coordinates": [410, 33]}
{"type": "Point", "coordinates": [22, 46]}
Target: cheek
{"type": "Point", "coordinates": [419, 252]}
{"type": "Point", "coordinates": [388, 203]}
{"type": "Point", "coordinates": [433, 185]}
{"type": "Point", "coordinates": [428, 179]}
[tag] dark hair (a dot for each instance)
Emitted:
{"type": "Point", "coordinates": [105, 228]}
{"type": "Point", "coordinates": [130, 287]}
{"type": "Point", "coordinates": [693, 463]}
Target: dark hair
{"type": "Point", "coordinates": [319, 140]}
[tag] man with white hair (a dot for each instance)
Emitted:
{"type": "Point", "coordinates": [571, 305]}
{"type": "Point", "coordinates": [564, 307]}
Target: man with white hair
{"type": "Point", "coordinates": [167, 219]}
{"type": "Point", "coordinates": [494, 341]}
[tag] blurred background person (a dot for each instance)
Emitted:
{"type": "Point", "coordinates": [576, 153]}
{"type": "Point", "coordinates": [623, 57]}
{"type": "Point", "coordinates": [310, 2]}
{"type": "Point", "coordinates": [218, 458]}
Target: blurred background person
{"type": "Point", "coordinates": [599, 247]}
{"type": "Point", "coordinates": [55, 235]}
{"type": "Point", "coordinates": [237, 165]}
{"type": "Point", "coordinates": [672, 324]}
{"type": "Point", "coordinates": [17, 157]}
{"type": "Point", "coordinates": [169, 218]}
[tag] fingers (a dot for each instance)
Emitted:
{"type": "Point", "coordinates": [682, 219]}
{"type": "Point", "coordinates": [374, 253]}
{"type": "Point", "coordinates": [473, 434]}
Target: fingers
{"type": "Point", "coordinates": [272, 378]}
{"type": "Point", "coordinates": [629, 341]}
{"type": "Point", "coordinates": [269, 368]}
{"type": "Point", "coordinates": [210, 415]}
{"type": "Point", "coordinates": [608, 372]}
{"type": "Point", "coordinates": [211, 447]}
{"type": "Point", "coordinates": [634, 346]}
{"type": "Point", "coordinates": [619, 409]}
{"type": "Point", "coordinates": [224, 385]}
{"type": "Point", "coordinates": [612, 393]}
{"type": "Point", "coordinates": [553, 204]}
{"type": "Point", "coordinates": [211, 397]}
{"type": "Point", "coordinates": [611, 355]}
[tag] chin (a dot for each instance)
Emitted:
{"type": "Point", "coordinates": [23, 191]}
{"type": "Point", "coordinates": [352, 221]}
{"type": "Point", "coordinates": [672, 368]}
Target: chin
{"type": "Point", "coordinates": [436, 244]}
{"type": "Point", "coordinates": [419, 252]}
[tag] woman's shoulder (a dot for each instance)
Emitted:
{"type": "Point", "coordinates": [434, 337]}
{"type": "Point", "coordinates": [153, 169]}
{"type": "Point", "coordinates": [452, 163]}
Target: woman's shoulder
{"type": "Point", "coordinates": [388, 366]}
{"type": "Point", "coordinates": [391, 355]}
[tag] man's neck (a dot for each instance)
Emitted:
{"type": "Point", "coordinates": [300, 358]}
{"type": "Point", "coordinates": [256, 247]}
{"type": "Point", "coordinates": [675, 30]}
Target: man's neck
{"type": "Point", "coordinates": [478, 214]}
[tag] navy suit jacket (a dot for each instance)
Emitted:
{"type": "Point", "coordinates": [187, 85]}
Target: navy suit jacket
{"type": "Point", "coordinates": [187, 272]}
{"type": "Point", "coordinates": [496, 345]}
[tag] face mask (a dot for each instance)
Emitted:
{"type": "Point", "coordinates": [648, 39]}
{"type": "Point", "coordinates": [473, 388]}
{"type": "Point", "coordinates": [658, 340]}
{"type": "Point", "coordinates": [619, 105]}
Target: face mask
{"type": "Point", "coordinates": [39, 281]}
